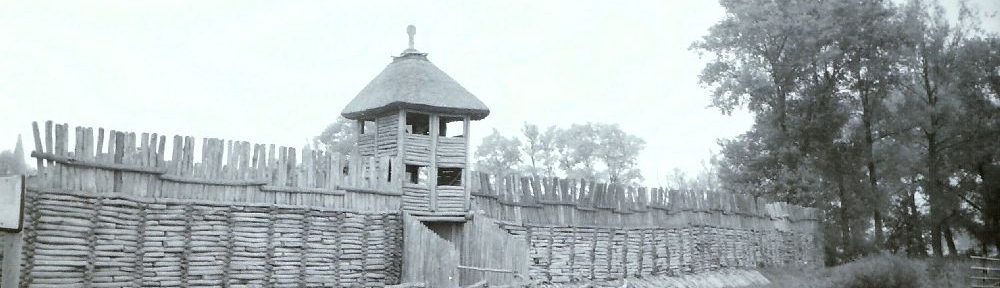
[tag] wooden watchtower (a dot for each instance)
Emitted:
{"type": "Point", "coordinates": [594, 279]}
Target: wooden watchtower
{"type": "Point", "coordinates": [415, 112]}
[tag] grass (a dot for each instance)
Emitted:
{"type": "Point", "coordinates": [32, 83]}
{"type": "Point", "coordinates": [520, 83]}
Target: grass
{"type": "Point", "coordinates": [882, 271]}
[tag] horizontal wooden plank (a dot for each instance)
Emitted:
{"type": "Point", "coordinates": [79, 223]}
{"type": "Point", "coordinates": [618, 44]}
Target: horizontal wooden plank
{"type": "Point", "coordinates": [94, 164]}
{"type": "Point", "coordinates": [485, 269]}
{"type": "Point", "coordinates": [209, 181]}
{"type": "Point", "coordinates": [368, 191]}
{"type": "Point", "coordinates": [985, 268]}
{"type": "Point", "coordinates": [303, 190]}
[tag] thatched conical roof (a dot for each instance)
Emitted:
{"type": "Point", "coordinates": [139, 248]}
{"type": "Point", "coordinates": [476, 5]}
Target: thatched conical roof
{"type": "Point", "coordinates": [413, 82]}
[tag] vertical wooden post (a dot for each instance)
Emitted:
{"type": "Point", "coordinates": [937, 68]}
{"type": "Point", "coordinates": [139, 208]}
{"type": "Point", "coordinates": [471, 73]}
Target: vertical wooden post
{"type": "Point", "coordinates": [466, 177]}
{"type": "Point", "coordinates": [119, 155]}
{"type": "Point", "coordinates": [401, 148]}
{"type": "Point", "coordinates": [432, 169]}
{"type": "Point", "coordinates": [353, 163]}
{"type": "Point", "coordinates": [38, 146]}
{"type": "Point", "coordinates": [11, 266]}
{"type": "Point", "coordinates": [375, 138]}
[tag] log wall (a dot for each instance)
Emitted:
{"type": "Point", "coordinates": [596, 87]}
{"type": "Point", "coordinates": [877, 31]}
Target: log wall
{"type": "Point", "coordinates": [418, 149]}
{"type": "Point", "coordinates": [580, 230]}
{"type": "Point", "coordinates": [87, 240]}
{"type": "Point", "coordinates": [387, 134]}
{"type": "Point", "coordinates": [451, 152]}
{"type": "Point", "coordinates": [382, 140]}
{"type": "Point", "coordinates": [560, 254]}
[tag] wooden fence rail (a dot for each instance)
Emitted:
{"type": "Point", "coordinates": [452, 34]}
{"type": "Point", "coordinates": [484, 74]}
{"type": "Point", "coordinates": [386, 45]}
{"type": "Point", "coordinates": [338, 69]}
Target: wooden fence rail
{"type": "Point", "coordinates": [986, 273]}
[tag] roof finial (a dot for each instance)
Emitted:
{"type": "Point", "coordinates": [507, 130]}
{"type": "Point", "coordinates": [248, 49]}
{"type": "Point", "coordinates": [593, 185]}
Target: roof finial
{"type": "Point", "coordinates": [411, 30]}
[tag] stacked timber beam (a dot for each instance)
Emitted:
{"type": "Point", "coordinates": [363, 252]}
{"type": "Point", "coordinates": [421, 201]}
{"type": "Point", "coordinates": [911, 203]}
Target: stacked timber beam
{"type": "Point", "coordinates": [87, 240]}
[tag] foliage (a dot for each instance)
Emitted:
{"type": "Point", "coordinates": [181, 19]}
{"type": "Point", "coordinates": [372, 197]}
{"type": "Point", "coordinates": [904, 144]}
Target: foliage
{"type": "Point", "coordinates": [540, 150]}
{"type": "Point", "coordinates": [337, 137]}
{"type": "Point", "coordinates": [498, 155]}
{"type": "Point", "coordinates": [590, 151]}
{"type": "Point", "coordinates": [881, 270]}
{"type": "Point", "coordinates": [883, 115]}
{"type": "Point", "coordinates": [706, 180]}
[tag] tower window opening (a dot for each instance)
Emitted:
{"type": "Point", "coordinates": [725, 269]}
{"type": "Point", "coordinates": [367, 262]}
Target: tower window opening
{"type": "Point", "coordinates": [449, 177]}
{"type": "Point", "coordinates": [367, 126]}
{"type": "Point", "coordinates": [417, 123]}
{"type": "Point", "coordinates": [451, 126]}
{"type": "Point", "coordinates": [416, 174]}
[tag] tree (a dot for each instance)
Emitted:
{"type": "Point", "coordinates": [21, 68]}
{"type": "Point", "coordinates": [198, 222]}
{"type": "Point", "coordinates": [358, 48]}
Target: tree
{"type": "Point", "coordinates": [338, 137]}
{"type": "Point", "coordinates": [578, 147]}
{"type": "Point", "coordinates": [861, 109]}
{"type": "Point", "coordinates": [977, 155]}
{"type": "Point", "coordinates": [540, 149]}
{"type": "Point", "coordinates": [789, 62]}
{"type": "Point", "coordinates": [584, 149]}
{"type": "Point", "coordinates": [931, 106]}
{"type": "Point", "coordinates": [498, 155]}
{"type": "Point", "coordinates": [619, 152]}
{"type": "Point", "coordinates": [870, 38]}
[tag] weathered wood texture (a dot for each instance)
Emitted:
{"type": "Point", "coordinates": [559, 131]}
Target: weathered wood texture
{"type": "Point", "coordinates": [418, 149]}
{"type": "Point", "coordinates": [427, 257]}
{"type": "Point", "coordinates": [572, 254]}
{"type": "Point", "coordinates": [572, 202]}
{"type": "Point", "coordinates": [578, 230]}
{"type": "Point", "coordinates": [233, 171]}
{"type": "Point", "coordinates": [86, 240]}
{"type": "Point", "coordinates": [117, 208]}
{"type": "Point", "coordinates": [380, 138]}
{"type": "Point", "coordinates": [491, 254]}
{"type": "Point", "coordinates": [451, 152]}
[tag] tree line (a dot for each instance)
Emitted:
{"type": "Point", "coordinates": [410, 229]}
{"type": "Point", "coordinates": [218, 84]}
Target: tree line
{"type": "Point", "coordinates": [595, 151]}
{"type": "Point", "coordinates": [882, 114]}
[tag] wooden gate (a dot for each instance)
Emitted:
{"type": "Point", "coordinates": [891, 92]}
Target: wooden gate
{"type": "Point", "coordinates": [427, 257]}
{"type": "Point", "coordinates": [491, 254]}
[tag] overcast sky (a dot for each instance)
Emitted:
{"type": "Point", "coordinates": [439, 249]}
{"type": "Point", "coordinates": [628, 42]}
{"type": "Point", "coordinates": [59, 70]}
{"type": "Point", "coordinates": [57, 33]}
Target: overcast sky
{"type": "Point", "coordinates": [279, 71]}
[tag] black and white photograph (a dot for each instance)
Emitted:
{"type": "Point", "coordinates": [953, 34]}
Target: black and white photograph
{"type": "Point", "coordinates": [487, 144]}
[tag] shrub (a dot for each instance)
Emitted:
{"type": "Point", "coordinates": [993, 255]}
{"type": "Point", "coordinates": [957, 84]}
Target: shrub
{"type": "Point", "coordinates": [881, 271]}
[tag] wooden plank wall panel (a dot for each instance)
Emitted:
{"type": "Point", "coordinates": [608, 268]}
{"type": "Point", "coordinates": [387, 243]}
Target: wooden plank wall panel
{"type": "Point", "coordinates": [428, 258]}
{"type": "Point", "coordinates": [451, 152]}
{"type": "Point", "coordinates": [502, 257]}
{"type": "Point", "coordinates": [387, 135]}
{"type": "Point", "coordinates": [366, 144]}
{"type": "Point", "coordinates": [418, 149]}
